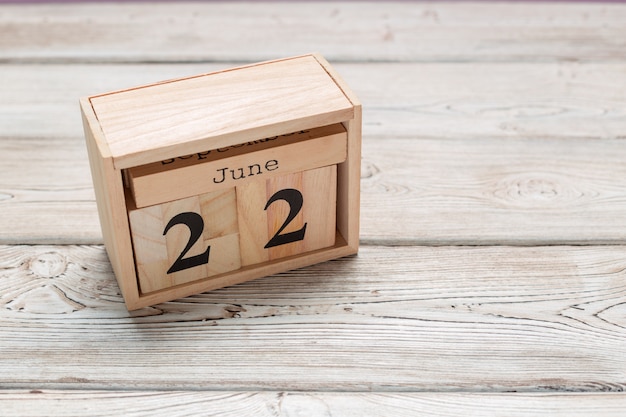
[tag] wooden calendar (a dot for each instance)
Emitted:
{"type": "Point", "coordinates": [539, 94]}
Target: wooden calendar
{"type": "Point", "coordinates": [216, 179]}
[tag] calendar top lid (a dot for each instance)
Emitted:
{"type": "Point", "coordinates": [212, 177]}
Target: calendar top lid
{"type": "Point", "coordinates": [178, 117]}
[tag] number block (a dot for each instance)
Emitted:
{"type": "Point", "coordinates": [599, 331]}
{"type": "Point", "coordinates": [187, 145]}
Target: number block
{"type": "Point", "coordinates": [277, 221]}
{"type": "Point", "coordinates": [185, 240]}
{"type": "Point", "coordinates": [216, 179]}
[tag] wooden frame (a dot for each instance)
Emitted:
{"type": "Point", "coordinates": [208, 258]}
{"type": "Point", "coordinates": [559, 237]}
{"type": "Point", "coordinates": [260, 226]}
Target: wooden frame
{"type": "Point", "coordinates": [144, 125]}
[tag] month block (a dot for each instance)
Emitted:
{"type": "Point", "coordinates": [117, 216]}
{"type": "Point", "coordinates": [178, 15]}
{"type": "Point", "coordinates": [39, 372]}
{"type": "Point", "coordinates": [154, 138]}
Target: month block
{"type": "Point", "coordinates": [221, 168]}
{"type": "Point", "coordinates": [216, 179]}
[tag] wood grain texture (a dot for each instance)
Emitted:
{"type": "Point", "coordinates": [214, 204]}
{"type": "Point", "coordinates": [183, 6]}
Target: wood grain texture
{"type": "Point", "coordinates": [168, 119]}
{"type": "Point", "coordinates": [355, 31]}
{"type": "Point", "coordinates": [484, 123]}
{"type": "Point", "coordinates": [413, 191]}
{"type": "Point", "coordinates": [110, 194]}
{"type": "Point", "coordinates": [465, 99]}
{"type": "Point", "coordinates": [406, 318]}
{"type": "Point", "coordinates": [45, 184]}
{"type": "Point", "coordinates": [493, 191]}
{"type": "Point", "coordinates": [79, 403]}
{"type": "Point", "coordinates": [544, 139]}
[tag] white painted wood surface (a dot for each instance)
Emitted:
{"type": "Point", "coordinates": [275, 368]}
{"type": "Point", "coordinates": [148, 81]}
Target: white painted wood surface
{"type": "Point", "coordinates": [492, 318]}
{"type": "Point", "coordinates": [491, 280]}
{"type": "Point", "coordinates": [349, 31]}
{"type": "Point", "coordinates": [468, 153]}
{"type": "Point", "coordinates": [291, 404]}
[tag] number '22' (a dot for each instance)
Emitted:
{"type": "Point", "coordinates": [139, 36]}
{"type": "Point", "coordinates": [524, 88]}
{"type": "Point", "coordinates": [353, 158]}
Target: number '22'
{"type": "Point", "coordinates": [195, 223]}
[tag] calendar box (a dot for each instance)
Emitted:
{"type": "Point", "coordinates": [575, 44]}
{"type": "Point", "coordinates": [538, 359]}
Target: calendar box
{"type": "Point", "coordinates": [212, 180]}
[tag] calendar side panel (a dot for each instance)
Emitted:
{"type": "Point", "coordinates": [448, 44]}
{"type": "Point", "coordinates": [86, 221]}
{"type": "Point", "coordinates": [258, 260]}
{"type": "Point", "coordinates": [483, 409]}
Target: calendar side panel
{"type": "Point", "coordinates": [349, 173]}
{"type": "Point", "coordinates": [349, 185]}
{"type": "Point", "coordinates": [111, 199]}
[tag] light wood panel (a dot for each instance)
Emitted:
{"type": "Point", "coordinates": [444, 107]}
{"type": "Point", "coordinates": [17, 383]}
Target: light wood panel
{"type": "Point", "coordinates": [48, 403]}
{"type": "Point", "coordinates": [168, 119]}
{"type": "Point", "coordinates": [356, 31]}
{"type": "Point", "coordinates": [404, 318]}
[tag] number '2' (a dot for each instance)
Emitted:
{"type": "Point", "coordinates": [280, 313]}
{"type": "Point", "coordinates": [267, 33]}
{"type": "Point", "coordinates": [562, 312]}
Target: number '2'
{"type": "Point", "coordinates": [294, 198]}
{"type": "Point", "coordinates": [195, 223]}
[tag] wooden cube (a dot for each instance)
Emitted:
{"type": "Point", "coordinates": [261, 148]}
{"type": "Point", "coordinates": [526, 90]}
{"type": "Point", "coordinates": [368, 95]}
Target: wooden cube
{"type": "Point", "coordinates": [213, 180]}
{"type": "Point", "coordinates": [172, 245]}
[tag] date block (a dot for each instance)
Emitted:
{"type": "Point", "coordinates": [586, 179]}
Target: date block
{"type": "Point", "coordinates": [174, 241]}
{"type": "Point", "coordinates": [216, 179]}
{"type": "Point", "coordinates": [277, 220]}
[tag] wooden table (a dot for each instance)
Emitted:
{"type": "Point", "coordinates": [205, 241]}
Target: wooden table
{"type": "Point", "coordinates": [492, 274]}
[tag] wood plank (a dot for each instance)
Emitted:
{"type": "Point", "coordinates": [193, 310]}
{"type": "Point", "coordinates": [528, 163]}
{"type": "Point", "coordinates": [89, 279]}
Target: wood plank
{"type": "Point", "coordinates": [413, 191]}
{"type": "Point", "coordinates": [393, 318]}
{"type": "Point", "coordinates": [493, 191]}
{"type": "Point", "coordinates": [542, 148]}
{"type": "Point", "coordinates": [46, 193]}
{"type": "Point", "coordinates": [345, 31]}
{"type": "Point", "coordinates": [506, 100]}
{"type": "Point", "coordinates": [471, 100]}
{"type": "Point", "coordinates": [81, 403]}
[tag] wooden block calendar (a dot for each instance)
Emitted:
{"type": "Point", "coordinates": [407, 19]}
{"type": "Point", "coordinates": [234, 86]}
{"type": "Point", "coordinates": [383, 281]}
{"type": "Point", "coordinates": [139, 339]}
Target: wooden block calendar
{"type": "Point", "coordinates": [212, 180]}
